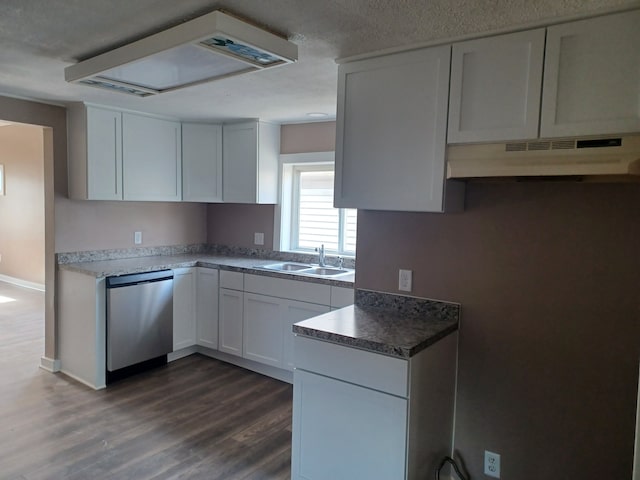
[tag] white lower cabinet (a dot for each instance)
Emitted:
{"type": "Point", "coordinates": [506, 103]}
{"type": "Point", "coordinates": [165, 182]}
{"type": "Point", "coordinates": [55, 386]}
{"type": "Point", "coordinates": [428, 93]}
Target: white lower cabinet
{"type": "Point", "coordinates": [327, 410]}
{"type": "Point", "coordinates": [361, 414]}
{"type": "Point", "coordinates": [295, 312]}
{"type": "Point", "coordinates": [184, 308]}
{"type": "Point", "coordinates": [262, 329]}
{"type": "Point", "coordinates": [268, 322]}
{"type": "Point", "coordinates": [230, 328]}
{"type": "Point", "coordinates": [207, 308]}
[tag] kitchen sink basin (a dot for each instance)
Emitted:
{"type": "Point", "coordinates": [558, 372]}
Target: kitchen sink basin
{"type": "Point", "coordinates": [325, 271]}
{"type": "Point", "coordinates": [286, 267]}
{"type": "Point", "coordinates": [303, 269]}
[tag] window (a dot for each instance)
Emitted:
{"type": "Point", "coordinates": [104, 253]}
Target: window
{"type": "Point", "coordinates": [308, 217]}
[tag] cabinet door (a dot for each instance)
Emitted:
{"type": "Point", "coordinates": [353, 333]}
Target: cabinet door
{"type": "Point", "coordinates": [342, 431]}
{"type": "Point", "coordinates": [391, 131]}
{"type": "Point", "coordinates": [230, 327]}
{"type": "Point", "coordinates": [207, 308]}
{"type": "Point", "coordinates": [262, 329]}
{"type": "Point", "coordinates": [201, 162]}
{"type": "Point", "coordinates": [592, 77]}
{"type": "Point", "coordinates": [495, 88]}
{"type": "Point", "coordinates": [296, 312]}
{"type": "Point", "coordinates": [240, 161]}
{"type": "Point", "coordinates": [104, 154]}
{"type": "Point", "coordinates": [184, 308]}
{"type": "Point", "coordinates": [250, 162]}
{"type": "Point", "coordinates": [152, 158]}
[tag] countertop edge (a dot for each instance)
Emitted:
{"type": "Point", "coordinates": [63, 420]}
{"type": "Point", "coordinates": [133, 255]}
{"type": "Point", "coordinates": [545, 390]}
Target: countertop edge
{"type": "Point", "coordinates": [204, 263]}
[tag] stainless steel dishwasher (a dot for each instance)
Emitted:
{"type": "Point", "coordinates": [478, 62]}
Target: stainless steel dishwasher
{"type": "Point", "coordinates": [139, 322]}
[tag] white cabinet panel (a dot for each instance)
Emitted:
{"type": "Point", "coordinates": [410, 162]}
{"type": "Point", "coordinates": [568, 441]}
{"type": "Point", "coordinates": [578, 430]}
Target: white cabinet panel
{"type": "Point", "coordinates": [184, 308]}
{"type": "Point", "coordinates": [95, 153]}
{"type": "Point", "coordinates": [592, 77]}
{"type": "Point", "coordinates": [152, 158]}
{"type": "Point", "coordinates": [250, 162]}
{"type": "Point", "coordinates": [207, 308]}
{"type": "Point", "coordinates": [230, 327]}
{"type": "Point", "coordinates": [232, 280]}
{"type": "Point", "coordinates": [343, 432]}
{"type": "Point", "coordinates": [201, 162]}
{"type": "Point", "coordinates": [296, 312]}
{"type": "Point", "coordinates": [262, 329]}
{"type": "Point", "coordinates": [391, 131]}
{"type": "Point", "coordinates": [341, 297]}
{"type": "Point", "coordinates": [292, 289]}
{"type": "Point", "coordinates": [495, 88]}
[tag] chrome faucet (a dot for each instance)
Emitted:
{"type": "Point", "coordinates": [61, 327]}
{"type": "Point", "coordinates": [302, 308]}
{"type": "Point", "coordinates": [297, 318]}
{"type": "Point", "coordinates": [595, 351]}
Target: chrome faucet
{"type": "Point", "coordinates": [320, 251]}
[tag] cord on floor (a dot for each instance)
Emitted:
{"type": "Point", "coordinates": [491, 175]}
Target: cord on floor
{"type": "Point", "coordinates": [453, 463]}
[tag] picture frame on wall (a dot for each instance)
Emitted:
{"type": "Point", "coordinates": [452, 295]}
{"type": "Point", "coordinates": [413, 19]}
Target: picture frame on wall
{"type": "Point", "coordinates": [1, 179]}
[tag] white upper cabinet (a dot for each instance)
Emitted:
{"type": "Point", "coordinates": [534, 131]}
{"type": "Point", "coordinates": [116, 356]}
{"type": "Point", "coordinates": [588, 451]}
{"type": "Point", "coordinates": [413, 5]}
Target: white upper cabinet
{"type": "Point", "coordinates": [592, 77]}
{"type": "Point", "coordinates": [391, 131]}
{"type": "Point", "coordinates": [95, 153]}
{"type": "Point", "coordinates": [152, 158]}
{"type": "Point", "coordinates": [201, 162]}
{"type": "Point", "coordinates": [250, 162]}
{"type": "Point", "coordinates": [495, 88]}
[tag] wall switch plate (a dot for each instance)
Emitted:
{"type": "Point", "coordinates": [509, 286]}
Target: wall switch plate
{"type": "Point", "coordinates": [491, 464]}
{"type": "Point", "coordinates": [404, 280]}
{"type": "Point", "coordinates": [258, 238]}
{"type": "Point", "coordinates": [137, 238]}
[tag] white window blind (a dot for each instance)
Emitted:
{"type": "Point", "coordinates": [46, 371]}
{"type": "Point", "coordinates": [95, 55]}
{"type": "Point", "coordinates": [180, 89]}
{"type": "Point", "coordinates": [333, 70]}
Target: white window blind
{"type": "Point", "coordinates": [315, 220]}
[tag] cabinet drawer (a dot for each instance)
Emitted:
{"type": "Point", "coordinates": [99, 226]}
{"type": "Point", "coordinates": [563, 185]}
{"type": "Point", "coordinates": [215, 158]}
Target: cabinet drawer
{"type": "Point", "coordinates": [290, 289]}
{"type": "Point", "coordinates": [232, 280]}
{"type": "Point", "coordinates": [368, 369]}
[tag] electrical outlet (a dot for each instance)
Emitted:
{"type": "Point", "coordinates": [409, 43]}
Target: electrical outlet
{"type": "Point", "coordinates": [404, 280]}
{"type": "Point", "coordinates": [137, 238]}
{"type": "Point", "coordinates": [491, 464]}
{"type": "Point", "coordinates": [258, 238]}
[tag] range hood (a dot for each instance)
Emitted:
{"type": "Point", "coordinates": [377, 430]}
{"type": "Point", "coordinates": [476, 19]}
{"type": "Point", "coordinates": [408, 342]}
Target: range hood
{"type": "Point", "coordinates": [210, 47]}
{"type": "Point", "coordinates": [603, 156]}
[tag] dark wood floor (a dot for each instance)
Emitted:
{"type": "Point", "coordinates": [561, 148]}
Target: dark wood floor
{"type": "Point", "coordinates": [196, 418]}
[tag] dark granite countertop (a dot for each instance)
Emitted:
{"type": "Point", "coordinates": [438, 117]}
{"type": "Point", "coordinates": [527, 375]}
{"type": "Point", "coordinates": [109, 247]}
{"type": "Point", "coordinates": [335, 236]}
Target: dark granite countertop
{"type": "Point", "coordinates": [393, 325]}
{"type": "Point", "coordinates": [124, 266]}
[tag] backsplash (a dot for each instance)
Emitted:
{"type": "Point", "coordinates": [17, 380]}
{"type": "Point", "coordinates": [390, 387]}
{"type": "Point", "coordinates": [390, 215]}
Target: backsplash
{"type": "Point", "coordinates": [408, 307]}
{"type": "Point", "coordinates": [203, 249]}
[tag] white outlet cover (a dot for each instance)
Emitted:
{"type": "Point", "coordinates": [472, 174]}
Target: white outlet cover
{"type": "Point", "coordinates": [137, 238]}
{"type": "Point", "coordinates": [405, 280]}
{"type": "Point", "coordinates": [491, 464]}
{"type": "Point", "coordinates": [258, 238]}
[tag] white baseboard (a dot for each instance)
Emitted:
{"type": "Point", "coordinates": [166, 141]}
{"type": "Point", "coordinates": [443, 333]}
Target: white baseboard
{"type": "Point", "coordinates": [83, 381]}
{"type": "Point", "coordinates": [49, 364]}
{"type": "Point", "coordinates": [22, 283]}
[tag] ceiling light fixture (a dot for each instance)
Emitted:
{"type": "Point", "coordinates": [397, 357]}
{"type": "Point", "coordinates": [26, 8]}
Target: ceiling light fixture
{"type": "Point", "coordinates": [317, 114]}
{"type": "Point", "coordinates": [207, 48]}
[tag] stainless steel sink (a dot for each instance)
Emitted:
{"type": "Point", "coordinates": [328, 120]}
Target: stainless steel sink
{"type": "Point", "coordinates": [304, 269]}
{"type": "Point", "coordinates": [286, 267]}
{"type": "Point", "coordinates": [324, 271]}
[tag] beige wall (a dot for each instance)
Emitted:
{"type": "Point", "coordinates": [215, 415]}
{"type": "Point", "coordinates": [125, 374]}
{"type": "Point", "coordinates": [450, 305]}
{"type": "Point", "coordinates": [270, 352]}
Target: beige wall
{"type": "Point", "coordinates": [548, 277]}
{"type": "Point", "coordinates": [235, 224]}
{"type": "Point", "coordinates": [22, 207]}
{"type": "Point", "coordinates": [308, 137]}
{"type": "Point", "coordinates": [91, 225]}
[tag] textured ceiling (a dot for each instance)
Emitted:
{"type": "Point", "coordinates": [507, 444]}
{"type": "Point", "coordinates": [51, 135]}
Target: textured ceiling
{"type": "Point", "coordinates": [39, 38]}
